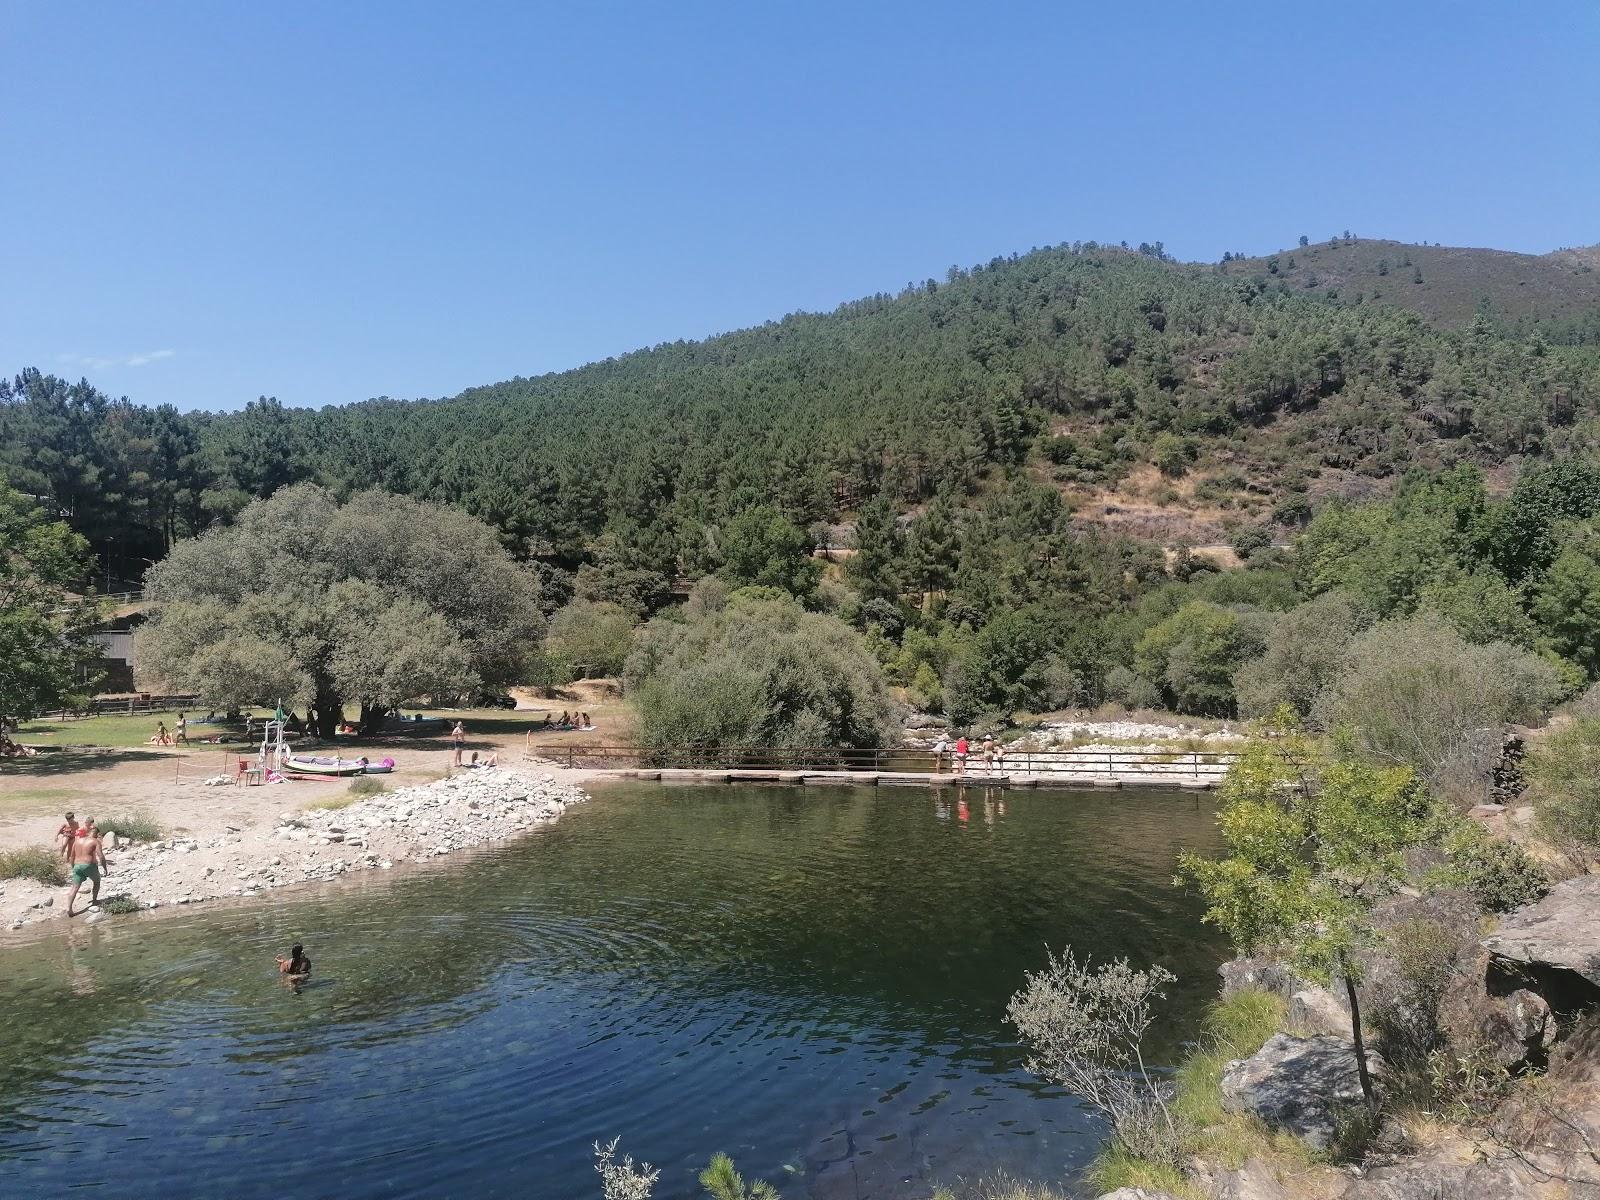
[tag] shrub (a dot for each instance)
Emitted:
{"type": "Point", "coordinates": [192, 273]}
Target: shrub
{"type": "Point", "coordinates": [623, 1180]}
{"type": "Point", "coordinates": [119, 905]}
{"type": "Point", "coordinates": [760, 673]}
{"type": "Point", "coordinates": [366, 785]}
{"type": "Point", "coordinates": [1248, 539]}
{"type": "Point", "coordinates": [1500, 875]}
{"type": "Point", "coordinates": [39, 863]}
{"type": "Point", "coordinates": [1563, 773]}
{"type": "Point", "coordinates": [1414, 692]}
{"type": "Point", "coordinates": [590, 638]}
{"type": "Point", "coordinates": [999, 1186]}
{"type": "Point", "coordinates": [1083, 1026]}
{"type": "Point", "coordinates": [136, 827]}
{"type": "Point", "coordinates": [1304, 653]}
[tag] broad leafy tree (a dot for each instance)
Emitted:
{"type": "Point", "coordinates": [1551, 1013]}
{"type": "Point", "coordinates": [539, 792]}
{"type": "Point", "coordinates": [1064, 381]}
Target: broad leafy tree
{"type": "Point", "coordinates": [325, 605]}
{"type": "Point", "coordinates": [47, 659]}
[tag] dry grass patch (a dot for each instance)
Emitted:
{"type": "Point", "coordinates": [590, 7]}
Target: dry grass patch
{"type": "Point", "coordinates": [38, 863]}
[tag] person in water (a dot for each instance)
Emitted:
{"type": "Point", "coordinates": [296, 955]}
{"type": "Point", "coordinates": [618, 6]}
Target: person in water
{"type": "Point", "coordinates": [297, 967]}
{"type": "Point", "coordinates": [88, 859]}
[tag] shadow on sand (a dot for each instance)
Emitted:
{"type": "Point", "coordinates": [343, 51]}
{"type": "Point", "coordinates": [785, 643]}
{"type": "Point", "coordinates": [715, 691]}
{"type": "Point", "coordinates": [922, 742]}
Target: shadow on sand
{"type": "Point", "coordinates": [65, 761]}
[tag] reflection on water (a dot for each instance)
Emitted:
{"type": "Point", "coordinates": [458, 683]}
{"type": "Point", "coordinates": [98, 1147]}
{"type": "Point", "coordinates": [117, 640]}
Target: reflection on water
{"type": "Point", "coordinates": [811, 979]}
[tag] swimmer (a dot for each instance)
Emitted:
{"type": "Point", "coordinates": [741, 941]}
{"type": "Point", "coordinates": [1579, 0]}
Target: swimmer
{"type": "Point", "coordinates": [297, 967]}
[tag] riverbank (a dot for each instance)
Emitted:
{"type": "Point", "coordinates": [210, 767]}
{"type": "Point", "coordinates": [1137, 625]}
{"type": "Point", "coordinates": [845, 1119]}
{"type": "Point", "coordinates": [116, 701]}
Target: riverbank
{"type": "Point", "coordinates": [313, 844]}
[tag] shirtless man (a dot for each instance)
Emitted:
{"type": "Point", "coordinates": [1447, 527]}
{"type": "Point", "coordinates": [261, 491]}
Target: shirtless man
{"type": "Point", "coordinates": [88, 860]}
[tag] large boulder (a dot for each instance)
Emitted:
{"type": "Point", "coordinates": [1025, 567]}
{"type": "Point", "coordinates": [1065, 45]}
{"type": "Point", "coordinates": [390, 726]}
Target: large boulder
{"type": "Point", "coordinates": [1554, 946]}
{"type": "Point", "coordinates": [1298, 1084]}
{"type": "Point", "coordinates": [1259, 971]}
{"type": "Point", "coordinates": [1316, 1010]}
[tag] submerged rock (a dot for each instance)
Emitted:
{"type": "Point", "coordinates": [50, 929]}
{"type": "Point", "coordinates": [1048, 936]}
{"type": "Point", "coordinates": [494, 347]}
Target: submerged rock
{"type": "Point", "coordinates": [1298, 1084]}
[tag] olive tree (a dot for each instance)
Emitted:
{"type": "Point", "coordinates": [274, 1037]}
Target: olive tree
{"type": "Point", "coordinates": [322, 604]}
{"type": "Point", "coordinates": [589, 638]}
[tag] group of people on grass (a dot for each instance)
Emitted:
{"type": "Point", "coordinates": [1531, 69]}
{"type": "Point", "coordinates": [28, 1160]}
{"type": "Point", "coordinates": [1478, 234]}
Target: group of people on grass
{"type": "Point", "coordinates": [994, 754]}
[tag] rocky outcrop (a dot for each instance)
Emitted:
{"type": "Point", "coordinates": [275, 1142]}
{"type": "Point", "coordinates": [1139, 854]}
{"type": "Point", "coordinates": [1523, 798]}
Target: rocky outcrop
{"type": "Point", "coordinates": [1554, 946]}
{"type": "Point", "coordinates": [1316, 1010]}
{"type": "Point", "coordinates": [1258, 971]}
{"type": "Point", "coordinates": [1298, 1084]}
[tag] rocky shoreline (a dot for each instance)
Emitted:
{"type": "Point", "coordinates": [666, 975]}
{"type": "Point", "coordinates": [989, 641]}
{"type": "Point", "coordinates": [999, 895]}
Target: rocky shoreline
{"type": "Point", "coordinates": [468, 809]}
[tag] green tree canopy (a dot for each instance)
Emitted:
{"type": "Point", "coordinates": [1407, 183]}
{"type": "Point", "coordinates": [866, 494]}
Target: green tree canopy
{"type": "Point", "coordinates": [312, 602]}
{"type": "Point", "coordinates": [46, 656]}
{"type": "Point", "coordinates": [758, 673]}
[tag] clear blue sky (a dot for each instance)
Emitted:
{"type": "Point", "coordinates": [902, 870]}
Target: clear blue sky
{"type": "Point", "coordinates": [324, 202]}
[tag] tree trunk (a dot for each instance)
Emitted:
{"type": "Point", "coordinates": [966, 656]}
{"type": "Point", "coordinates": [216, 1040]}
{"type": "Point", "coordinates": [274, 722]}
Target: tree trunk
{"type": "Point", "coordinates": [1355, 1031]}
{"type": "Point", "coordinates": [326, 714]}
{"type": "Point", "coordinates": [373, 716]}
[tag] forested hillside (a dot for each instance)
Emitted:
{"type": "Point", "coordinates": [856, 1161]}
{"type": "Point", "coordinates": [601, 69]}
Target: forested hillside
{"type": "Point", "coordinates": [1078, 366]}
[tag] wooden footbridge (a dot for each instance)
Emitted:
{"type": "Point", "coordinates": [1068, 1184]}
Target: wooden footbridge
{"type": "Point", "coordinates": [1179, 770]}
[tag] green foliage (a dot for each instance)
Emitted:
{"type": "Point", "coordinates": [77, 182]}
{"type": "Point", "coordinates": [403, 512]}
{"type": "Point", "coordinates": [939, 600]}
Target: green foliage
{"type": "Point", "coordinates": [136, 827]}
{"type": "Point", "coordinates": [1563, 773]}
{"type": "Point", "coordinates": [1191, 656]}
{"type": "Point", "coordinates": [722, 1182]}
{"type": "Point", "coordinates": [1567, 602]}
{"type": "Point", "coordinates": [759, 673]}
{"type": "Point", "coordinates": [1313, 843]}
{"type": "Point", "coordinates": [1414, 693]}
{"type": "Point", "coordinates": [366, 785]}
{"type": "Point", "coordinates": [314, 603]}
{"type": "Point", "coordinates": [760, 548]}
{"type": "Point", "coordinates": [1304, 653]}
{"type": "Point", "coordinates": [1500, 875]}
{"type": "Point", "coordinates": [46, 657]}
{"type": "Point", "coordinates": [589, 638]}
{"type": "Point", "coordinates": [38, 863]}
{"type": "Point", "coordinates": [875, 566]}
{"type": "Point", "coordinates": [119, 906]}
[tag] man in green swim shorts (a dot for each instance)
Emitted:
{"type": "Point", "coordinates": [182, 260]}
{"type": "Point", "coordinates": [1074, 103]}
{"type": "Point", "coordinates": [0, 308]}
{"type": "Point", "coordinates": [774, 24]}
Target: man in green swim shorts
{"type": "Point", "coordinates": [88, 860]}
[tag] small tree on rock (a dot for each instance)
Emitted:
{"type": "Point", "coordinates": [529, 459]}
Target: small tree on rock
{"type": "Point", "coordinates": [1314, 843]}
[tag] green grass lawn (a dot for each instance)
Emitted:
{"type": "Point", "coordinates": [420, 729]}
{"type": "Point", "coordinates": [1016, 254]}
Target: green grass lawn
{"type": "Point", "coordinates": [115, 732]}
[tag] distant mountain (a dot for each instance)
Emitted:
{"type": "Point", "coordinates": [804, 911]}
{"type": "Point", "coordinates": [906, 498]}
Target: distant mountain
{"type": "Point", "coordinates": [1449, 285]}
{"type": "Point", "coordinates": [1169, 400]}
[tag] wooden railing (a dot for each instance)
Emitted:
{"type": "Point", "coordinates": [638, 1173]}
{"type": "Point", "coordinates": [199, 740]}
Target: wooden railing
{"type": "Point", "coordinates": [1180, 764]}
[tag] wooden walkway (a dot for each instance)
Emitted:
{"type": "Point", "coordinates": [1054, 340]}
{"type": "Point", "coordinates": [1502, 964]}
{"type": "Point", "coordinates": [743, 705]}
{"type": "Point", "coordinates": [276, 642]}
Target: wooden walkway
{"type": "Point", "coordinates": [1055, 780]}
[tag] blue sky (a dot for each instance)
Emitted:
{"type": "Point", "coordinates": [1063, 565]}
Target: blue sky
{"type": "Point", "coordinates": [209, 202]}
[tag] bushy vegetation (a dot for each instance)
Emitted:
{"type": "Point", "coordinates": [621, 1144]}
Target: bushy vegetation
{"type": "Point", "coordinates": [1563, 773]}
{"type": "Point", "coordinates": [761, 672]}
{"type": "Point", "coordinates": [307, 601]}
{"type": "Point", "coordinates": [136, 827]}
{"type": "Point", "coordinates": [365, 785]}
{"type": "Point", "coordinates": [39, 863]}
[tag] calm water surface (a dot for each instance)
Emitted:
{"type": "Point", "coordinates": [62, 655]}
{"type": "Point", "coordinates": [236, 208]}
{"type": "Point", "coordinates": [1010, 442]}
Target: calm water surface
{"type": "Point", "coordinates": [810, 979]}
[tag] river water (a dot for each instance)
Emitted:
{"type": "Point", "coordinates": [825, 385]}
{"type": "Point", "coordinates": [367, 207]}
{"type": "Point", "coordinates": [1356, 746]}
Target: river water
{"type": "Point", "coordinates": [810, 979]}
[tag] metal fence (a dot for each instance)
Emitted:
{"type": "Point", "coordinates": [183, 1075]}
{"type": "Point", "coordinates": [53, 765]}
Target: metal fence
{"type": "Point", "coordinates": [1172, 764]}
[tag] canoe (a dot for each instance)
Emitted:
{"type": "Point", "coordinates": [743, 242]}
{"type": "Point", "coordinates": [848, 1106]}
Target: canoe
{"type": "Point", "coordinates": [309, 764]}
